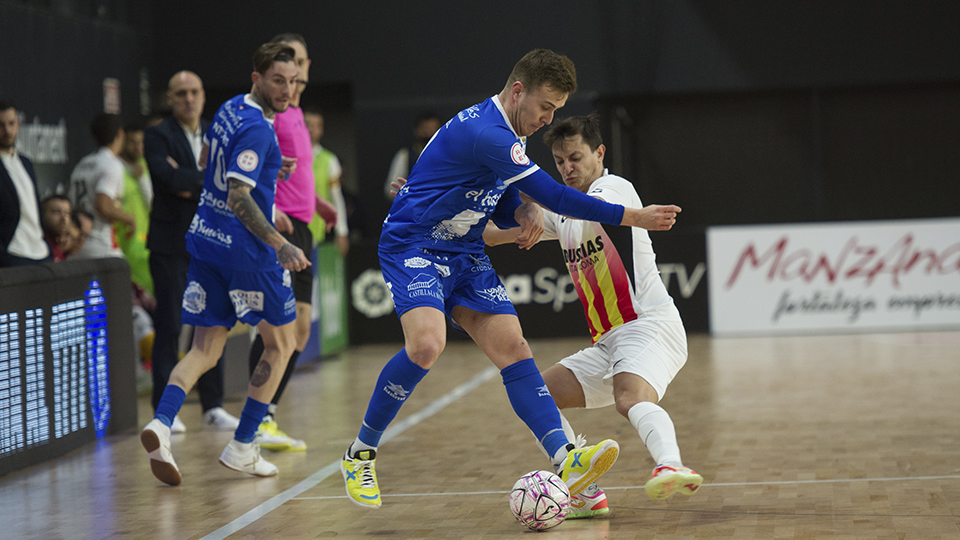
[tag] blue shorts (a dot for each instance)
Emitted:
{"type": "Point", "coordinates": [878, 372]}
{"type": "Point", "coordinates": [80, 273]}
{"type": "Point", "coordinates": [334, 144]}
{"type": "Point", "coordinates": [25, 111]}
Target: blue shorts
{"type": "Point", "coordinates": [217, 296]}
{"type": "Point", "coordinates": [441, 279]}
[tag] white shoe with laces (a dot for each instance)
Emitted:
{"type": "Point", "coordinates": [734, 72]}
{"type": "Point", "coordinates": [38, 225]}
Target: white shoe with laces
{"type": "Point", "coordinates": [219, 419]}
{"type": "Point", "coordinates": [155, 439]}
{"type": "Point", "coordinates": [245, 457]}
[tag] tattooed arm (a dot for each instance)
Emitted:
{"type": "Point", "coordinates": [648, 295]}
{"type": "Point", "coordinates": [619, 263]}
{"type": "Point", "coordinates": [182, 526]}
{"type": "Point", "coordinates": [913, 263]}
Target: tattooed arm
{"type": "Point", "coordinates": [247, 211]}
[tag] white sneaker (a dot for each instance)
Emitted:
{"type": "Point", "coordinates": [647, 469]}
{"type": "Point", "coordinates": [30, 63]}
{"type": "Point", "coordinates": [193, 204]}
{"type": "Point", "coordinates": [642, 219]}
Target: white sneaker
{"type": "Point", "coordinates": [219, 419]}
{"type": "Point", "coordinates": [245, 457]}
{"type": "Point", "coordinates": [155, 439]}
{"type": "Point", "coordinates": [178, 425]}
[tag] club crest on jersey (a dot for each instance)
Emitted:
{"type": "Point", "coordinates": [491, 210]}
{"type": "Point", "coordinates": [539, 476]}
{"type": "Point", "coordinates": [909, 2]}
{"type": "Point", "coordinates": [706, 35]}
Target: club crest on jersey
{"type": "Point", "coordinates": [248, 160]}
{"type": "Point", "coordinates": [416, 262]}
{"type": "Point", "coordinates": [518, 155]}
{"type": "Point", "coordinates": [194, 298]}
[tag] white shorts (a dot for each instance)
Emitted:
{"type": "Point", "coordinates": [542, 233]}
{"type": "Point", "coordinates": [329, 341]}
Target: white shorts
{"type": "Point", "coordinates": [654, 350]}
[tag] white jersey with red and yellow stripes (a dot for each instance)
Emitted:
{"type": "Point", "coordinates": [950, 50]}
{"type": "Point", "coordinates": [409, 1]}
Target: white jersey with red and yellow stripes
{"type": "Point", "coordinates": [614, 269]}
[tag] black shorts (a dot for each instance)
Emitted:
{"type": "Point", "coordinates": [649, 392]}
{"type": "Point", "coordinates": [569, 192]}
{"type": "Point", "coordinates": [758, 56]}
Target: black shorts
{"type": "Point", "coordinates": [303, 279]}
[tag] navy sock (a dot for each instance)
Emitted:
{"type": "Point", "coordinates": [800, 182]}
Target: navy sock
{"type": "Point", "coordinates": [250, 418]}
{"type": "Point", "coordinates": [397, 379]}
{"type": "Point", "coordinates": [170, 403]}
{"type": "Point", "coordinates": [533, 404]}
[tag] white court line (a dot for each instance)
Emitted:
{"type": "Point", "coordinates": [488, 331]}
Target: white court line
{"type": "Point", "coordinates": [717, 484]}
{"type": "Point", "coordinates": [274, 502]}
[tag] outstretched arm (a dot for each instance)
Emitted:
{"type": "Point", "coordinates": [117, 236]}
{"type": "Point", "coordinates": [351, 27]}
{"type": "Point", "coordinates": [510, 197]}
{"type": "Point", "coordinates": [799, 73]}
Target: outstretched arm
{"type": "Point", "coordinates": [654, 217]}
{"type": "Point", "coordinates": [247, 211]}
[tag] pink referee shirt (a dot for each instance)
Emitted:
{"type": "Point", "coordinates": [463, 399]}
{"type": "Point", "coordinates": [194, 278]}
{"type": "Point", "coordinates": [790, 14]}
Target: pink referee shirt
{"type": "Point", "coordinates": [297, 195]}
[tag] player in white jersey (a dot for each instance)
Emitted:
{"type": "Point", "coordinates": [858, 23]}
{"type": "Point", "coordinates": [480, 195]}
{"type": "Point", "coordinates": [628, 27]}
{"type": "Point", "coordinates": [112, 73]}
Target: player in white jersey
{"type": "Point", "coordinates": [239, 266]}
{"type": "Point", "coordinates": [639, 340]}
{"type": "Point", "coordinates": [431, 255]}
{"type": "Point", "coordinates": [96, 186]}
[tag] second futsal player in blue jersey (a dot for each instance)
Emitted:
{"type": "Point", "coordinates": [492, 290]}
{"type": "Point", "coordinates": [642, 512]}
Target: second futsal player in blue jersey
{"type": "Point", "coordinates": [431, 255]}
{"type": "Point", "coordinates": [240, 265]}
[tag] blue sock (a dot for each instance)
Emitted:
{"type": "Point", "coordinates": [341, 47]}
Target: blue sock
{"type": "Point", "coordinates": [250, 418]}
{"type": "Point", "coordinates": [170, 402]}
{"type": "Point", "coordinates": [397, 379]}
{"type": "Point", "coordinates": [533, 404]}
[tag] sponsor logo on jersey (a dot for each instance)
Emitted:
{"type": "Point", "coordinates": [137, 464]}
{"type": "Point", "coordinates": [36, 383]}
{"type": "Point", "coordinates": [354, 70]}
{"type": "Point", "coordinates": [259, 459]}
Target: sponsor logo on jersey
{"type": "Point", "coordinates": [494, 294]}
{"type": "Point", "coordinates": [422, 281]}
{"type": "Point", "coordinates": [246, 301]}
{"type": "Point", "coordinates": [219, 205]}
{"type": "Point", "coordinates": [416, 262]}
{"type": "Point", "coordinates": [199, 226]}
{"type": "Point", "coordinates": [396, 391]}
{"type": "Point", "coordinates": [468, 113]}
{"type": "Point", "coordinates": [583, 251]}
{"type": "Point", "coordinates": [248, 160]}
{"type": "Point", "coordinates": [518, 155]}
{"type": "Point", "coordinates": [194, 298]}
{"type": "Point", "coordinates": [287, 280]}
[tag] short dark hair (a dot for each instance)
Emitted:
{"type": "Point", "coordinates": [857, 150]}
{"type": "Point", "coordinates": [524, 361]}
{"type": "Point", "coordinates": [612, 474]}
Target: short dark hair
{"type": "Point", "coordinates": [544, 67]}
{"type": "Point", "coordinates": [423, 116]}
{"type": "Point", "coordinates": [6, 105]}
{"type": "Point", "coordinates": [54, 197]}
{"type": "Point", "coordinates": [268, 53]}
{"type": "Point", "coordinates": [289, 37]}
{"type": "Point", "coordinates": [105, 127]}
{"type": "Point", "coordinates": [132, 126]}
{"type": "Point", "coordinates": [587, 127]}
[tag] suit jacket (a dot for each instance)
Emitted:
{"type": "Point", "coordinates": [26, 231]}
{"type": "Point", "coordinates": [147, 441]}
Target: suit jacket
{"type": "Point", "coordinates": [171, 214]}
{"type": "Point", "coordinates": [10, 204]}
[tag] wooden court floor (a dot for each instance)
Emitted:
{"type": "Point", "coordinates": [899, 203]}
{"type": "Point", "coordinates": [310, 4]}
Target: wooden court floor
{"type": "Point", "coordinates": [839, 437]}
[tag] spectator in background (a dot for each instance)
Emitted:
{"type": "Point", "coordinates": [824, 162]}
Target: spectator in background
{"type": "Point", "coordinates": [172, 150]}
{"type": "Point", "coordinates": [81, 223]}
{"type": "Point", "coordinates": [55, 211]}
{"type": "Point", "coordinates": [428, 122]}
{"type": "Point", "coordinates": [137, 198]}
{"type": "Point", "coordinates": [21, 236]}
{"type": "Point", "coordinates": [96, 186]}
{"type": "Point", "coordinates": [327, 170]}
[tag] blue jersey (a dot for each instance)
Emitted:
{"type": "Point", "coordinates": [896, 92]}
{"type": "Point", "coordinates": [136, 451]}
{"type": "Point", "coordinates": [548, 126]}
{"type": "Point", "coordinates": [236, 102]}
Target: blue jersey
{"type": "Point", "coordinates": [243, 146]}
{"type": "Point", "coordinates": [456, 183]}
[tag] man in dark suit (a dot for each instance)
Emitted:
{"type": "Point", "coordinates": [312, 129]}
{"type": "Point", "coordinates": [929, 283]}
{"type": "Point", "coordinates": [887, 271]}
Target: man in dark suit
{"type": "Point", "coordinates": [21, 236]}
{"type": "Point", "coordinates": [172, 149]}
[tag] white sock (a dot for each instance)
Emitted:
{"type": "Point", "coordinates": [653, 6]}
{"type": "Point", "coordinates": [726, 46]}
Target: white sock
{"type": "Point", "coordinates": [657, 432]}
{"type": "Point", "coordinates": [357, 446]}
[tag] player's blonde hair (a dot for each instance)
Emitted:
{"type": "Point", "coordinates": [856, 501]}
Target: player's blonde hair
{"type": "Point", "coordinates": [544, 67]}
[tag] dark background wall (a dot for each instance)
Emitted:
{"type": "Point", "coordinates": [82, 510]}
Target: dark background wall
{"type": "Point", "coordinates": [744, 111]}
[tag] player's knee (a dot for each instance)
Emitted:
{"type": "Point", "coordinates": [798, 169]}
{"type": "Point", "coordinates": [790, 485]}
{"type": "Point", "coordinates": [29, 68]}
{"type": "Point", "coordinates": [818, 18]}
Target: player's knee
{"type": "Point", "coordinates": [625, 402]}
{"type": "Point", "coordinates": [425, 350]}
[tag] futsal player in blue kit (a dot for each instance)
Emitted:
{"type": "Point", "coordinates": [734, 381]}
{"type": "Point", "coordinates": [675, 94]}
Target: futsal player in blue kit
{"type": "Point", "coordinates": [432, 258]}
{"type": "Point", "coordinates": [240, 265]}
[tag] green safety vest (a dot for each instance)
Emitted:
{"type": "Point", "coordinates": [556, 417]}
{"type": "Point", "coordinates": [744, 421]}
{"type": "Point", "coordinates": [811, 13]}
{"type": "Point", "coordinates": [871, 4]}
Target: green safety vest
{"type": "Point", "coordinates": [135, 248]}
{"type": "Point", "coordinates": [321, 173]}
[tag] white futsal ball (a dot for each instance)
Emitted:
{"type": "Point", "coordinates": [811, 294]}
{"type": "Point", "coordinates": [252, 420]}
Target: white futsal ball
{"type": "Point", "coordinates": [540, 500]}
